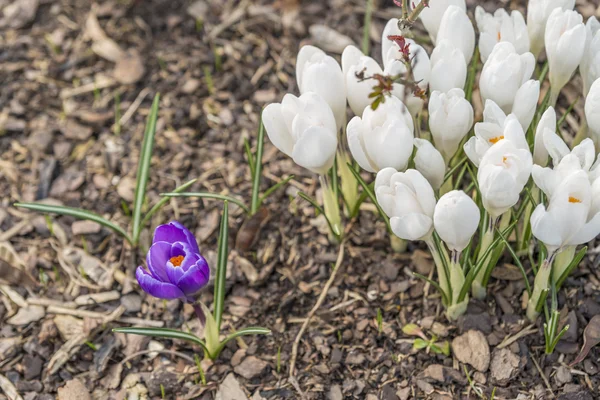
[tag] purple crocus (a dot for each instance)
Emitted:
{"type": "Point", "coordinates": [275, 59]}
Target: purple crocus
{"type": "Point", "coordinates": [176, 270]}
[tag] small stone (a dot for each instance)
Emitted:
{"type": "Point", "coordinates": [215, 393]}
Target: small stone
{"type": "Point", "coordinates": [85, 227]}
{"type": "Point", "coordinates": [440, 330]}
{"type": "Point", "coordinates": [387, 393]}
{"type": "Point", "coordinates": [162, 379]}
{"type": "Point", "coordinates": [74, 390]}
{"type": "Point", "coordinates": [504, 366]}
{"type": "Point", "coordinates": [76, 131]}
{"type": "Point", "coordinates": [27, 315]}
{"type": "Point", "coordinates": [481, 322]}
{"type": "Point", "coordinates": [571, 334]}
{"type": "Point", "coordinates": [190, 86]}
{"type": "Point", "coordinates": [336, 356]}
{"type": "Point", "coordinates": [362, 325]}
{"type": "Point", "coordinates": [425, 386]}
{"type": "Point", "coordinates": [237, 357]}
{"type": "Point", "coordinates": [126, 188]}
{"type": "Point", "coordinates": [251, 367]}
{"type": "Point", "coordinates": [562, 376]}
{"type": "Point", "coordinates": [29, 386]}
{"type": "Point", "coordinates": [129, 67]}
{"type": "Point", "coordinates": [32, 367]}
{"type": "Point", "coordinates": [132, 302]}
{"type": "Point", "coordinates": [355, 358]}
{"type": "Point", "coordinates": [335, 393]}
{"type": "Point", "coordinates": [589, 367]}
{"type": "Point", "coordinates": [62, 149]}
{"type": "Point", "coordinates": [479, 378]}
{"type": "Point", "coordinates": [403, 394]}
{"type": "Point", "coordinates": [472, 348]}
{"type": "Point", "coordinates": [230, 389]}
{"type": "Point", "coordinates": [582, 395]}
{"type": "Point", "coordinates": [441, 374]}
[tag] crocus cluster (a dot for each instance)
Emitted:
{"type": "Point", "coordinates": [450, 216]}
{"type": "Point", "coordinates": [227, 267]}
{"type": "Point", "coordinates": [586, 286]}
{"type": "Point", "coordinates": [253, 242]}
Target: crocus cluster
{"type": "Point", "coordinates": [443, 180]}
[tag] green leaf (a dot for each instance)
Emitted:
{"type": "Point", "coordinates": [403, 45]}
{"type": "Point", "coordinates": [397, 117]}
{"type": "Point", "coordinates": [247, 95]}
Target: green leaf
{"type": "Point", "coordinates": [472, 73]}
{"type": "Point", "coordinates": [251, 330]}
{"type": "Point", "coordinates": [143, 171]}
{"type": "Point", "coordinates": [211, 333]}
{"type": "Point", "coordinates": [77, 213]}
{"type": "Point", "coordinates": [249, 156]}
{"type": "Point", "coordinates": [517, 261]}
{"type": "Point", "coordinates": [419, 344]}
{"type": "Point", "coordinates": [542, 300]}
{"type": "Point", "coordinates": [572, 265]}
{"type": "Point", "coordinates": [367, 28]}
{"type": "Point", "coordinates": [220, 278]}
{"type": "Point", "coordinates": [163, 333]}
{"type": "Point", "coordinates": [371, 196]}
{"type": "Point", "coordinates": [164, 201]}
{"type": "Point", "coordinates": [255, 202]}
{"type": "Point", "coordinates": [273, 188]}
{"type": "Point", "coordinates": [564, 117]}
{"type": "Point", "coordinates": [206, 195]}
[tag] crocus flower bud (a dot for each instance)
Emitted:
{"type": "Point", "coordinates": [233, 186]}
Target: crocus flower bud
{"type": "Point", "coordinates": [546, 124]}
{"type": "Point", "coordinates": [458, 29]}
{"type": "Point", "coordinates": [383, 137]}
{"type": "Point", "coordinates": [393, 64]}
{"type": "Point", "coordinates": [565, 42]}
{"type": "Point", "coordinates": [590, 62]}
{"type": "Point", "coordinates": [592, 110]}
{"type": "Point", "coordinates": [353, 62]}
{"type": "Point", "coordinates": [176, 270]}
{"type": "Point", "coordinates": [448, 67]}
{"type": "Point", "coordinates": [503, 172]}
{"type": "Point", "coordinates": [432, 15]}
{"type": "Point", "coordinates": [450, 119]}
{"type": "Point", "coordinates": [495, 127]}
{"type": "Point", "coordinates": [505, 80]}
{"type": "Point", "coordinates": [501, 27]}
{"type": "Point", "coordinates": [408, 199]}
{"type": "Point", "coordinates": [317, 72]}
{"type": "Point", "coordinates": [303, 128]}
{"type": "Point", "coordinates": [430, 163]}
{"type": "Point", "coordinates": [538, 12]}
{"type": "Point", "coordinates": [456, 218]}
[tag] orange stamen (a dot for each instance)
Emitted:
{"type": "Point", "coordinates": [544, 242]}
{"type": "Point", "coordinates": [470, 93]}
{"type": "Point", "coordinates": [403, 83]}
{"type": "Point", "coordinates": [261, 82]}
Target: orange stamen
{"type": "Point", "coordinates": [504, 159]}
{"type": "Point", "coordinates": [496, 139]}
{"type": "Point", "coordinates": [499, 36]}
{"type": "Point", "coordinates": [176, 261]}
{"type": "Point", "coordinates": [574, 200]}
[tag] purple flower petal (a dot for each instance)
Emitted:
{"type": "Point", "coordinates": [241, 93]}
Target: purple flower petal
{"type": "Point", "coordinates": [175, 232]}
{"type": "Point", "coordinates": [194, 279]}
{"type": "Point", "coordinates": [156, 288]}
{"type": "Point", "coordinates": [157, 258]}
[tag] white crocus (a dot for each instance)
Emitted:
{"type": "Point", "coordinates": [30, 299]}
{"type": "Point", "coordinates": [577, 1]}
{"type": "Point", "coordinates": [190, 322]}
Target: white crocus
{"type": "Point", "coordinates": [456, 218]}
{"type": "Point", "coordinates": [448, 67]}
{"type": "Point", "coordinates": [317, 72]}
{"type": "Point", "coordinates": [590, 62]}
{"type": "Point", "coordinates": [546, 124]}
{"type": "Point", "coordinates": [394, 65]}
{"type": "Point", "coordinates": [450, 119]}
{"type": "Point", "coordinates": [303, 128]}
{"type": "Point", "coordinates": [502, 175]}
{"type": "Point", "coordinates": [432, 15]}
{"type": "Point", "coordinates": [501, 27]}
{"type": "Point", "coordinates": [538, 12]}
{"type": "Point", "coordinates": [495, 127]}
{"type": "Point", "coordinates": [565, 39]}
{"type": "Point", "coordinates": [505, 79]}
{"type": "Point", "coordinates": [353, 62]}
{"type": "Point", "coordinates": [458, 29]}
{"type": "Point", "coordinates": [430, 163]}
{"type": "Point", "coordinates": [383, 137]}
{"type": "Point", "coordinates": [408, 199]}
{"type": "Point", "coordinates": [592, 111]}
{"type": "Point", "coordinates": [566, 222]}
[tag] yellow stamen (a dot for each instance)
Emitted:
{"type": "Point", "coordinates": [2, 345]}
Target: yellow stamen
{"type": "Point", "coordinates": [496, 139]}
{"type": "Point", "coordinates": [574, 200]}
{"type": "Point", "coordinates": [499, 36]}
{"type": "Point", "coordinates": [176, 261]}
{"type": "Point", "coordinates": [504, 159]}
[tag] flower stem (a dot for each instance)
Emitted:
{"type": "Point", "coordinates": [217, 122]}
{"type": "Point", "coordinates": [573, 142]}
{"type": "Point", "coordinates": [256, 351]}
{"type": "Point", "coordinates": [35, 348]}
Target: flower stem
{"type": "Point", "coordinates": [478, 290]}
{"type": "Point", "coordinates": [439, 264]}
{"type": "Point", "coordinates": [540, 285]}
{"type": "Point", "coordinates": [562, 262]}
{"type": "Point", "coordinates": [200, 313]}
{"type": "Point", "coordinates": [331, 207]}
{"type": "Point", "coordinates": [349, 185]}
{"type": "Point", "coordinates": [457, 279]}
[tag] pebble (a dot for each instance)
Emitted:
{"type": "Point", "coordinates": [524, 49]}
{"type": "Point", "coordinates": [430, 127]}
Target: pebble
{"type": "Point", "coordinates": [129, 67]}
{"type": "Point", "coordinates": [132, 302]}
{"type": "Point", "coordinates": [74, 130]}
{"type": "Point", "coordinates": [251, 367]}
{"type": "Point", "coordinates": [355, 358]}
{"type": "Point", "coordinates": [335, 393]}
{"type": "Point", "coordinates": [32, 367]}
{"type": "Point", "coordinates": [84, 227]}
{"type": "Point", "coordinates": [481, 322]}
{"type": "Point", "coordinates": [472, 348]}
{"type": "Point", "coordinates": [562, 376]}
{"type": "Point", "coordinates": [504, 366]}
{"type": "Point", "coordinates": [230, 389]}
{"type": "Point", "coordinates": [74, 390]}
{"type": "Point", "coordinates": [237, 357]}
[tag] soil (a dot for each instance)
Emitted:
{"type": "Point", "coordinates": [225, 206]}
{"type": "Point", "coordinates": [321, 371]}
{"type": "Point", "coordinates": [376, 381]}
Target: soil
{"type": "Point", "coordinates": [216, 64]}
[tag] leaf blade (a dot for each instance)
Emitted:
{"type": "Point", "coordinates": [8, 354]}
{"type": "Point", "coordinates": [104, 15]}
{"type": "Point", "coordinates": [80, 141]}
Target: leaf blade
{"type": "Point", "coordinates": [222, 246]}
{"type": "Point", "coordinates": [206, 195]}
{"type": "Point", "coordinates": [163, 333]}
{"type": "Point", "coordinates": [143, 170]}
{"type": "Point", "coordinates": [164, 201]}
{"type": "Point", "coordinates": [255, 202]}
